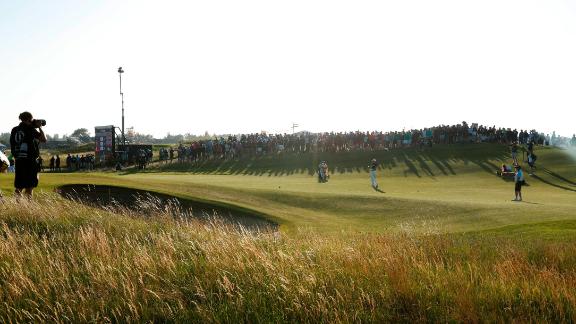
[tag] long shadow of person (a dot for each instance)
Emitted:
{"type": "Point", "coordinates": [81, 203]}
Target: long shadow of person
{"type": "Point", "coordinates": [553, 184]}
{"type": "Point", "coordinates": [559, 177]}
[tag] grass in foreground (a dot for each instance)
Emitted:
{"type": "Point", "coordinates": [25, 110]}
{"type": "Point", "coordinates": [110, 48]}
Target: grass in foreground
{"type": "Point", "coordinates": [60, 261]}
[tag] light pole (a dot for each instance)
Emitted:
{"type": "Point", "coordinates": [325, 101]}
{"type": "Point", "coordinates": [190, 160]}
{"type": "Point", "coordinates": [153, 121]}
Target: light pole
{"type": "Point", "coordinates": [120, 71]}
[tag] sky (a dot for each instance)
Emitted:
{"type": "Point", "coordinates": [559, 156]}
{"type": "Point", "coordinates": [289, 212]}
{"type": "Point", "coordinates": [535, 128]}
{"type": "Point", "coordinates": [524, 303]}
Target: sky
{"type": "Point", "coordinates": [250, 66]}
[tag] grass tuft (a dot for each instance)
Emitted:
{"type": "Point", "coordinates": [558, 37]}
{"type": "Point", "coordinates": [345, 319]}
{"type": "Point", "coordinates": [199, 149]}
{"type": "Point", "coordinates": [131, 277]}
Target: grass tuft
{"type": "Point", "coordinates": [61, 261]}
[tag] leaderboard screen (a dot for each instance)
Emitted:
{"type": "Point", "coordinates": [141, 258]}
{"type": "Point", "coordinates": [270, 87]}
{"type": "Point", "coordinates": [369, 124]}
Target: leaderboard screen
{"type": "Point", "coordinates": [104, 150]}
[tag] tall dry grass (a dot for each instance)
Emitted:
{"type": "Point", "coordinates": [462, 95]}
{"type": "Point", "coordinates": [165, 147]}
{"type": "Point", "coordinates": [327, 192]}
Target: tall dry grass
{"type": "Point", "coordinates": [64, 262]}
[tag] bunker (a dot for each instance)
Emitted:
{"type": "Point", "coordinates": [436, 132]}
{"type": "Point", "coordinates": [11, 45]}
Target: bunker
{"type": "Point", "coordinates": [148, 202]}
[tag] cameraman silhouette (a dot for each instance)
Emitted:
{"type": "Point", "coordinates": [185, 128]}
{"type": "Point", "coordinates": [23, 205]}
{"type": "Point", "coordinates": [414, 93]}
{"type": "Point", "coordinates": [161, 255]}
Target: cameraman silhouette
{"type": "Point", "coordinates": [24, 143]}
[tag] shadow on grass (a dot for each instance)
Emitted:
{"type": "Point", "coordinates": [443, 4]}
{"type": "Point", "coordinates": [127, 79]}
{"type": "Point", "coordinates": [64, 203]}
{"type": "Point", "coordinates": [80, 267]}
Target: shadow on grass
{"type": "Point", "coordinates": [529, 202]}
{"type": "Point", "coordinates": [559, 177]}
{"type": "Point", "coordinates": [534, 176]}
{"type": "Point", "coordinates": [438, 160]}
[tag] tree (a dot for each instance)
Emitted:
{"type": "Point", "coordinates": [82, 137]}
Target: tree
{"type": "Point", "coordinates": [5, 138]}
{"type": "Point", "coordinates": [82, 134]}
{"type": "Point", "coordinates": [138, 138]}
{"type": "Point", "coordinates": [172, 139]}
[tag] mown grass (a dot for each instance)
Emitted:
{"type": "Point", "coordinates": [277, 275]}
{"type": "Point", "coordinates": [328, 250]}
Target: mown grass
{"type": "Point", "coordinates": [451, 188]}
{"type": "Point", "coordinates": [64, 262]}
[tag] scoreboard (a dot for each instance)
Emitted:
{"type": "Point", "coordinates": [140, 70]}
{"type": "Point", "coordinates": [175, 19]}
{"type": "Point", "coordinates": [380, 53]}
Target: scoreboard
{"type": "Point", "coordinates": [105, 140]}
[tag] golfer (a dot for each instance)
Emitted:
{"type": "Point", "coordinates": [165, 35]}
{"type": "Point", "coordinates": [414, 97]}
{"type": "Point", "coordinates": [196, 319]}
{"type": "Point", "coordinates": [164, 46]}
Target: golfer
{"type": "Point", "coordinates": [24, 143]}
{"type": "Point", "coordinates": [518, 182]}
{"type": "Point", "coordinates": [373, 166]}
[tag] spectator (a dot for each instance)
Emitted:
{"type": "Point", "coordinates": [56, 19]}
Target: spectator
{"type": "Point", "coordinates": [52, 163]}
{"type": "Point", "coordinates": [514, 152]}
{"type": "Point", "coordinates": [261, 144]}
{"type": "Point", "coordinates": [4, 162]}
{"type": "Point", "coordinates": [57, 163]}
{"type": "Point", "coordinates": [532, 162]}
{"type": "Point", "coordinates": [12, 167]}
{"type": "Point", "coordinates": [40, 162]}
{"type": "Point", "coordinates": [4, 165]}
{"type": "Point", "coordinates": [69, 162]}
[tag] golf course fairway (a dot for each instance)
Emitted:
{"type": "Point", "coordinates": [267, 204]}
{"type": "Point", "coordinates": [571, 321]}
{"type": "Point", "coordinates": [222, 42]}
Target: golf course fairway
{"type": "Point", "coordinates": [449, 188]}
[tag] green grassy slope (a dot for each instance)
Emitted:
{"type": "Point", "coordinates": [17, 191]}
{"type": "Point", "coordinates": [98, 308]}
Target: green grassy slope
{"type": "Point", "coordinates": [445, 189]}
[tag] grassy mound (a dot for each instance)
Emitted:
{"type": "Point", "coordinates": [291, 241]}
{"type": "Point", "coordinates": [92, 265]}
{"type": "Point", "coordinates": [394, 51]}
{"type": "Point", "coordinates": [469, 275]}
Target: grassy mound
{"type": "Point", "coordinates": [435, 161]}
{"type": "Point", "coordinates": [61, 261]}
{"type": "Point", "coordinates": [448, 189]}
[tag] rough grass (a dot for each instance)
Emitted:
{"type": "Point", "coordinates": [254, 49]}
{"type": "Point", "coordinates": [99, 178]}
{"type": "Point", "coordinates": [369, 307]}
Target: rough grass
{"type": "Point", "coordinates": [64, 262]}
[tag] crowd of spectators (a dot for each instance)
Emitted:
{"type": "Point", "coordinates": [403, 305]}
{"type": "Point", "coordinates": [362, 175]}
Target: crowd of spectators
{"type": "Point", "coordinates": [80, 162]}
{"type": "Point", "coordinates": [250, 145]}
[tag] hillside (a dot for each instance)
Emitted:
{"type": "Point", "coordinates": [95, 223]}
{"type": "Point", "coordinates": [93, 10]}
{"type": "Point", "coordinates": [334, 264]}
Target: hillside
{"type": "Point", "coordinates": [445, 189]}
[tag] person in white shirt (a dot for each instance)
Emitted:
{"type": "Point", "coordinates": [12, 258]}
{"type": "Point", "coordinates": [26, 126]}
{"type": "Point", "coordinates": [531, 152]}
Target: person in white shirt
{"type": "Point", "coordinates": [4, 165]}
{"type": "Point", "coordinates": [373, 167]}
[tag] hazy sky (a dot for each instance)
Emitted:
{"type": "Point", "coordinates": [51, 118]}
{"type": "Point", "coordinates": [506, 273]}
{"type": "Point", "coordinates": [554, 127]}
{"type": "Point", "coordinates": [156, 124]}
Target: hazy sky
{"type": "Point", "coordinates": [245, 66]}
